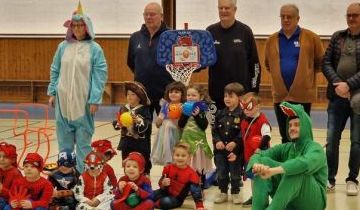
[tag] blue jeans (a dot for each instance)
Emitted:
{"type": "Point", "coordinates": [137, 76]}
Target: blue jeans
{"type": "Point", "coordinates": [224, 168]}
{"type": "Point", "coordinates": [339, 111]}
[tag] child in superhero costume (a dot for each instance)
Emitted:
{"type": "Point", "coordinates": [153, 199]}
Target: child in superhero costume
{"type": "Point", "coordinates": [64, 179]}
{"type": "Point", "coordinates": [8, 171]}
{"type": "Point", "coordinates": [177, 180]}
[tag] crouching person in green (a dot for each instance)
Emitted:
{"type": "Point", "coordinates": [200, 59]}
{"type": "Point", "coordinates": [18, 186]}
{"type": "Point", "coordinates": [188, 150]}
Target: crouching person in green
{"type": "Point", "coordinates": [294, 174]}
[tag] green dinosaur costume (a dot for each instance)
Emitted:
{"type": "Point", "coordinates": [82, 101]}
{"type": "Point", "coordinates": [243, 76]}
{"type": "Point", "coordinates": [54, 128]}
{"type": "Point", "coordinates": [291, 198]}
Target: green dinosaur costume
{"type": "Point", "coordinates": [303, 184]}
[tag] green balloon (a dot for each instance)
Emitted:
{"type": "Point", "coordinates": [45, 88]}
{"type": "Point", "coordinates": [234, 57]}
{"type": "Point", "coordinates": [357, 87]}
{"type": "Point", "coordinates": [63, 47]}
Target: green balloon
{"type": "Point", "coordinates": [133, 200]}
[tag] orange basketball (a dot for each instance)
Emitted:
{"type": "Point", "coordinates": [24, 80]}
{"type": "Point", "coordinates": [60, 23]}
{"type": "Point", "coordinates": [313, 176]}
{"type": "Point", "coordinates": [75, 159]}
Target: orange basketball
{"type": "Point", "coordinates": [174, 111]}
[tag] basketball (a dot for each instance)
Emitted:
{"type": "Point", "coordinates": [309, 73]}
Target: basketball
{"type": "Point", "coordinates": [174, 111]}
{"type": "Point", "coordinates": [126, 119]}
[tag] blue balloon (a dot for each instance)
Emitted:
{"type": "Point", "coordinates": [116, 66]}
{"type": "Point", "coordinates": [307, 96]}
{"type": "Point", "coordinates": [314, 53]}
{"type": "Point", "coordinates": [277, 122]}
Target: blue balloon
{"type": "Point", "coordinates": [188, 108]}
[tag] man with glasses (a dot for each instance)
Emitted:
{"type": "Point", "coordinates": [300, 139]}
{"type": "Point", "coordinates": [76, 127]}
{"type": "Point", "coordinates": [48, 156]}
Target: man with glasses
{"type": "Point", "coordinates": [293, 56]}
{"type": "Point", "coordinates": [341, 68]}
{"type": "Point", "coordinates": [142, 55]}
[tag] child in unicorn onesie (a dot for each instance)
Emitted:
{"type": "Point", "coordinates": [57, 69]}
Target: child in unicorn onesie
{"type": "Point", "coordinates": [294, 174]}
{"type": "Point", "coordinates": [77, 78]}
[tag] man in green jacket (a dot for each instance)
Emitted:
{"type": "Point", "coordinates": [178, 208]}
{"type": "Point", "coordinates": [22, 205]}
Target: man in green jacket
{"type": "Point", "coordinates": [294, 174]}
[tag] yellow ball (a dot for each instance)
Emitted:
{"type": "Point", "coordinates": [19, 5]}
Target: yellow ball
{"type": "Point", "coordinates": [126, 119]}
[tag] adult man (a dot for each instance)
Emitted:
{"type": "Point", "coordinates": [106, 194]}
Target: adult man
{"type": "Point", "coordinates": [341, 68]}
{"type": "Point", "coordinates": [293, 57]}
{"type": "Point", "coordinates": [293, 174]}
{"type": "Point", "coordinates": [142, 55]}
{"type": "Point", "coordinates": [237, 58]}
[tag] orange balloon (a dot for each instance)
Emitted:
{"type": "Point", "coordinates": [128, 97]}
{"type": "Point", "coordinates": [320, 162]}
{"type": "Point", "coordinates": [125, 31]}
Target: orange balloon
{"type": "Point", "coordinates": [174, 111]}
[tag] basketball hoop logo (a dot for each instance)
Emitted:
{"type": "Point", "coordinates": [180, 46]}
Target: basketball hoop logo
{"type": "Point", "coordinates": [185, 51]}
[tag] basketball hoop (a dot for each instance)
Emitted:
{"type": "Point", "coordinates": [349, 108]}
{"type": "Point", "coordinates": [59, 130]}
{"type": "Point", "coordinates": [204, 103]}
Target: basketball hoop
{"type": "Point", "coordinates": [182, 71]}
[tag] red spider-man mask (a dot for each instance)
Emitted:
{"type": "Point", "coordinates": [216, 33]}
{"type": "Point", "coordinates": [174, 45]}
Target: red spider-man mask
{"type": "Point", "coordinates": [249, 106]}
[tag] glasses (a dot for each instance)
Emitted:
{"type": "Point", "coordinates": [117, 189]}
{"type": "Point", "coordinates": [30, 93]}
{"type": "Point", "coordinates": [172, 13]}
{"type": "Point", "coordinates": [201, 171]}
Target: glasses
{"type": "Point", "coordinates": [352, 15]}
{"type": "Point", "coordinates": [150, 14]}
{"type": "Point", "coordinates": [77, 25]}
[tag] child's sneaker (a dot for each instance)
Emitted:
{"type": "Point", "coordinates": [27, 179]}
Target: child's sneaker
{"type": "Point", "coordinates": [221, 198]}
{"type": "Point", "coordinates": [236, 199]}
{"type": "Point", "coordinates": [247, 203]}
{"type": "Point", "coordinates": [330, 188]}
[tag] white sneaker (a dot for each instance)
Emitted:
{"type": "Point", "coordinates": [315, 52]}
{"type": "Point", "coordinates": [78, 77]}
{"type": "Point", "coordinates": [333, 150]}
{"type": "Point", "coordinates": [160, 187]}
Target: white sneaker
{"type": "Point", "coordinates": [330, 188]}
{"type": "Point", "coordinates": [236, 199]}
{"type": "Point", "coordinates": [221, 198]}
{"type": "Point", "coordinates": [351, 188]}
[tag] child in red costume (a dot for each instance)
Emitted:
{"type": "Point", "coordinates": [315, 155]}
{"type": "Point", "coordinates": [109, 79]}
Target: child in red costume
{"type": "Point", "coordinates": [94, 190]}
{"type": "Point", "coordinates": [105, 148]}
{"type": "Point", "coordinates": [255, 129]}
{"type": "Point", "coordinates": [134, 188]}
{"type": "Point", "coordinates": [177, 179]}
{"type": "Point", "coordinates": [8, 171]}
{"type": "Point", "coordinates": [39, 189]}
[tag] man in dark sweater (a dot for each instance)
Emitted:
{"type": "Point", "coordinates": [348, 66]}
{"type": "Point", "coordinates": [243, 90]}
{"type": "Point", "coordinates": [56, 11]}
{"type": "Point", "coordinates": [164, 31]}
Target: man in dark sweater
{"type": "Point", "coordinates": [237, 57]}
{"type": "Point", "coordinates": [142, 55]}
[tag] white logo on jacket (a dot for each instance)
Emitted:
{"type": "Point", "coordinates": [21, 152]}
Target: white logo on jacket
{"type": "Point", "coordinates": [237, 41]}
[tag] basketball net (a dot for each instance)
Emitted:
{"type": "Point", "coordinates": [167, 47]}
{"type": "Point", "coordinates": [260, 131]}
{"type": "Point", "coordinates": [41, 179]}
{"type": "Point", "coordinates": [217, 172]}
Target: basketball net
{"type": "Point", "coordinates": [182, 71]}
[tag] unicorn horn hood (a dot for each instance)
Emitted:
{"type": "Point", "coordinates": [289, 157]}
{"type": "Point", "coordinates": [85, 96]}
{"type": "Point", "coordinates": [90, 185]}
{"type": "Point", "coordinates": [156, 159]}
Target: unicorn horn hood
{"type": "Point", "coordinates": [77, 16]}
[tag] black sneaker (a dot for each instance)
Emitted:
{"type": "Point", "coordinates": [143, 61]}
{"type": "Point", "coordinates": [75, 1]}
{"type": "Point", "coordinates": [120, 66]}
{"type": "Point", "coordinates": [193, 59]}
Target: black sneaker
{"type": "Point", "coordinates": [247, 203]}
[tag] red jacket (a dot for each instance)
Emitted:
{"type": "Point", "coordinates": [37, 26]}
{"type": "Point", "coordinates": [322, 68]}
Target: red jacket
{"type": "Point", "coordinates": [111, 174]}
{"type": "Point", "coordinates": [93, 186]}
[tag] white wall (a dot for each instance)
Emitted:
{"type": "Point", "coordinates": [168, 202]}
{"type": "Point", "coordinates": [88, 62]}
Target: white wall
{"type": "Point", "coordinates": [48, 16]}
{"type": "Point", "coordinates": [125, 16]}
{"type": "Point", "coordinates": [321, 16]}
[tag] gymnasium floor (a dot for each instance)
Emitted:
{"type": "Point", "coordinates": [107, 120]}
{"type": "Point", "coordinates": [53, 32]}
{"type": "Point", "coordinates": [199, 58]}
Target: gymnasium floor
{"type": "Point", "coordinates": [337, 200]}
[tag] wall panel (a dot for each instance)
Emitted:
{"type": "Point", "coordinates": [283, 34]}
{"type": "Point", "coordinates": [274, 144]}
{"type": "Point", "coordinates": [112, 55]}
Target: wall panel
{"type": "Point", "coordinates": [25, 63]}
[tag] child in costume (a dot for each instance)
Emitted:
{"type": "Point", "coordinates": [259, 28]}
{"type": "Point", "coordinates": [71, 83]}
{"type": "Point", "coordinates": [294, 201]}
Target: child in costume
{"type": "Point", "coordinates": [135, 135]}
{"type": "Point", "coordinates": [36, 190]}
{"type": "Point", "coordinates": [167, 122]}
{"type": "Point", "coordinates": [105, 148]}
{"type": "Point", "coordinates": [194, 123]}
{"type": "Point", "coordinates": [177, 180]}
{"type": "Point", "coordinates": [228, 145]}
{"type": "Point", "coordinates": [294, 174]}
{"type": "Point", "coordinates": [77, 79]}
{"type": "Point", "coordinates": [64, 179]}
{"type": "Point", "coordinates": [94, 190]}
{"type": "Point", "coordinates": [8, 171]}
{"type": "Point", "coordinates": [134, 188]}
{"type": "Point", "coordinates": [255, 129]}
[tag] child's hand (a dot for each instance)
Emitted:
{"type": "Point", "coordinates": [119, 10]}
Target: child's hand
{"type": "Point", "coordinates": [133, 186]}
{"type": "Point", "coordinates": [122, 184]}
{"type": "Point", "coordinates": [231, 157]}
{"type": "Point", "coordinates": [159, 120]}
{"type": "Point", "coordinates": [26, 204]}
{"type": "Point", "coordinates": [55, 193]}
{"type": "Point", "coordinates": [14, 204]}
{"type": "Point", "coordinates": [135, 118]}
{"type": "Point", "coordinates": [95, 202]}
{"type": "Point", "coordinates": [166, 182]}
{"type": "Point", "coordinates": [196, 111]}
{"type": "Point", "coordinates": [220, 145]}
{"type": "Point", "coordinates": [230, 146]}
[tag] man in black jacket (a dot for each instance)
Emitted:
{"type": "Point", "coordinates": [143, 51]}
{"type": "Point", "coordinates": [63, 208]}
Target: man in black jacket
{"type": "Point", "coordinates": [342, 69]}
{"type": "Point", "coordinates": [237, 57]}
{"type": "Point", "coordinates": [142, 55]}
